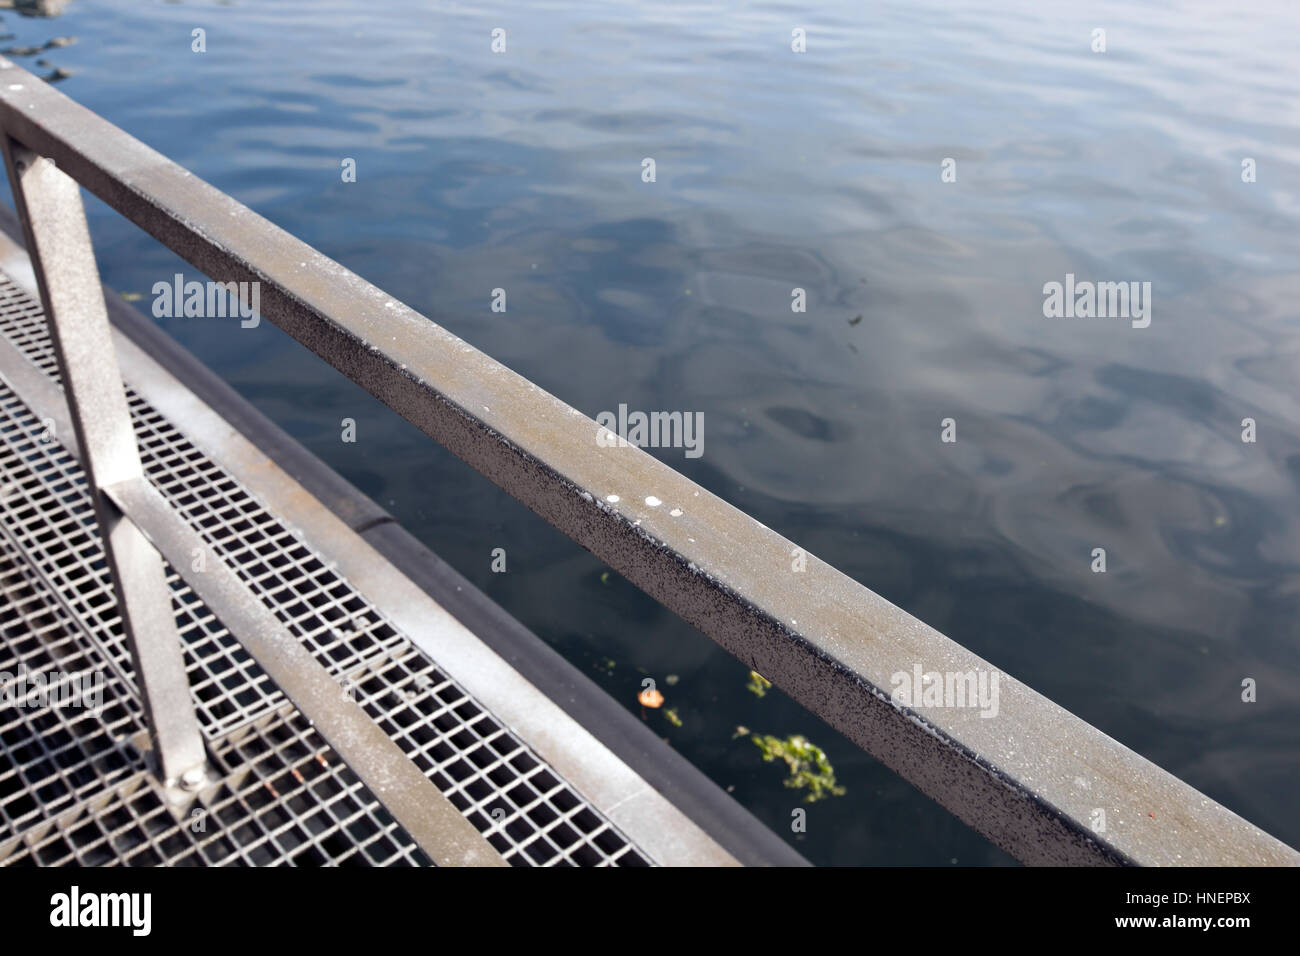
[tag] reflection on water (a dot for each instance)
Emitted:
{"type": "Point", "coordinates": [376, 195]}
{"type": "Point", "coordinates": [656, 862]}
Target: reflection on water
{"type": "Point", "coordinates": [818, 171]}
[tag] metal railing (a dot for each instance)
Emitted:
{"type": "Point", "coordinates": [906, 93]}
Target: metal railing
{"type": "Point", "coordinates": [140, 529]}
{"type": "Point", "coordinates": [1030, 779]}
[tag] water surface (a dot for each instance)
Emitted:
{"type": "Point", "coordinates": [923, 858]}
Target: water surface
{"type": "Point", "coordinates": [820, 171]}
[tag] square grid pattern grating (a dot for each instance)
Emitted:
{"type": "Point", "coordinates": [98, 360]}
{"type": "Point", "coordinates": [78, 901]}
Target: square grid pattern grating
{"type": "Point", "coordinates": [57, 594]}
{"type": "Point", "coordinates": [53, 757]}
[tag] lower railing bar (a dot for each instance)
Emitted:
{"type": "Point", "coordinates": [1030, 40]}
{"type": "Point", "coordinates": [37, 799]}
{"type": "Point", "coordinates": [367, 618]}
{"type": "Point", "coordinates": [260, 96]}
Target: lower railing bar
{"type": "Point", "coordinates": [421, 809]}
{"type": "Point", "coordinates": [430, 818]}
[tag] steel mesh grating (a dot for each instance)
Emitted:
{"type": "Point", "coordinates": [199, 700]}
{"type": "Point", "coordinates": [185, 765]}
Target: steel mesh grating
{"type": "Point", "coordinates": [53, 757]}
{"type": "Point", "coordinates": [525, 809]}
{"type": "Point", "coordinates": [284, 799]}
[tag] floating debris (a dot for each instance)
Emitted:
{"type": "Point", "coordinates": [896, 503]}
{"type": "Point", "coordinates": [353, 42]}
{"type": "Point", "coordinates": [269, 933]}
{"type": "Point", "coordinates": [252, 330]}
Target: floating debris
{"type": "Point", "coordinates": [60, 41]}
{"type": "Point", "coordinates": [807, 763]}
{"type": "Point", "coordinates": [758, 684]}
{"type": "Point", "coordinates": [650, 698]}
{"type": "Point", "coordinates": [22, 50]}
{"type": "Point", "coordinates": [132, 296]}
{"type": "Point", "coordinates": [741, 731]}
{"type": "Point", "coordinates": [671, 714]}
{"type": "Point", "coordinates": [855, 320]}
{"type": "Point", "coordinates": [671, 680]}
{"type": "Point", "coordinates": [604, 577]}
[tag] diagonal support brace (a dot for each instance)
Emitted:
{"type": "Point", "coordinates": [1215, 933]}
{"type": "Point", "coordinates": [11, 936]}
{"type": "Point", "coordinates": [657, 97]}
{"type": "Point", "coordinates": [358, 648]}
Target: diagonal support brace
{"type": "Point", "coordinates": [58, 241]}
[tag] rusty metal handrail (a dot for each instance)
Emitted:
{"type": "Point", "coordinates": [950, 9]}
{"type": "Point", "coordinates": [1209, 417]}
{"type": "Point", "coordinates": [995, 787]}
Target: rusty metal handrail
{"type": "Point", "coordinates": [1031, 778]}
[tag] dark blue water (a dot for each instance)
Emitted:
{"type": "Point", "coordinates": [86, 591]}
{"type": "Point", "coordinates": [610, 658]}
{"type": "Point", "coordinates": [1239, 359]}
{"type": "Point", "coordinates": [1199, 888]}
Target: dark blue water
{"type": "Point", "coordinates": [820, 170]}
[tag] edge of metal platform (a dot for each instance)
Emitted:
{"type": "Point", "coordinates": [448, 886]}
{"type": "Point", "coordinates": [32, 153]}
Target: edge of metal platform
{"type": "Point", "coordinates": [669, 775]}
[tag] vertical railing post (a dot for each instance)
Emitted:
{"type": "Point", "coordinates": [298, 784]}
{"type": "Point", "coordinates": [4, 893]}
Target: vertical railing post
{"type": "Point", "coordinates": [58, 243]}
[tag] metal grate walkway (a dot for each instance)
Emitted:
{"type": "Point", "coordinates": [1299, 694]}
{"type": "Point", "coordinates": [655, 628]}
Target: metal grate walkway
{"type": "Point", "coordinates": [74, 787]}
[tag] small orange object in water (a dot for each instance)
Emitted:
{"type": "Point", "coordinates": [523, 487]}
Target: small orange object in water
{"type": "Point", "coordinates": [650, 698]}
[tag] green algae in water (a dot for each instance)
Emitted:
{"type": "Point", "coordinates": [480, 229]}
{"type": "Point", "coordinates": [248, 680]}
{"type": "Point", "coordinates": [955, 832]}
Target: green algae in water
{"type": "Point", "coordinates": [758, 684]}
{"type": "Point", "coordinates": [809, 768]}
